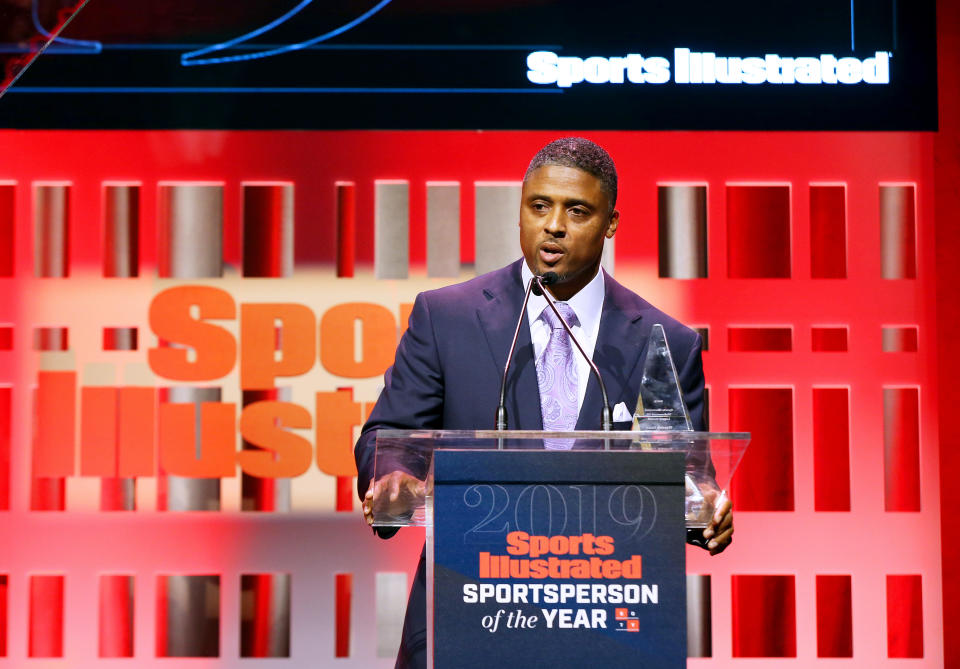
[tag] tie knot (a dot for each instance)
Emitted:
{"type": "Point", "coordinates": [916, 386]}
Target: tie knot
{"type": "Point", "coordinates": [565, 310]}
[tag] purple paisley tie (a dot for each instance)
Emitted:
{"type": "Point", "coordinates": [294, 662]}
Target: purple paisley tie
{"type": "Point", "coordinates": [557, 377]}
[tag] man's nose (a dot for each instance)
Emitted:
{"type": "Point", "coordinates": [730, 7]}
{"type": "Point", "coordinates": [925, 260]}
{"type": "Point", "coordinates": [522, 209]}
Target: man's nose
{"type": "Point", "coordinates": [556, 224]}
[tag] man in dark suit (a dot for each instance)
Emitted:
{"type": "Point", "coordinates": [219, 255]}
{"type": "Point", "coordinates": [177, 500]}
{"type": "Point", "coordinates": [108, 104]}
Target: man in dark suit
{"type": "Point", "coordinates": [450, 360]}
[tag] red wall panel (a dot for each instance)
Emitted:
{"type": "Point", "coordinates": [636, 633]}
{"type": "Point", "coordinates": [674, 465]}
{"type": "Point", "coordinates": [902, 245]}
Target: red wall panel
{"type": "Point", "coordinates": [769, 393]}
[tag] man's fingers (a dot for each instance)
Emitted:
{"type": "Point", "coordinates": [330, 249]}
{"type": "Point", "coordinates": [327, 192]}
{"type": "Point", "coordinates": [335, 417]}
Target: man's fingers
{"type": "Point", "coordinates": [722, 516]}
{"type": "Point", "coordinates": [368, 506]}
{"type": "Point", "coordinates": [720, 543]}
{"type": "Point", "coordinates": [712, 528]}
{"type": "Point", "coordinates": [722, 509]}
{"type": "Point", "coordinates": [396, 486]}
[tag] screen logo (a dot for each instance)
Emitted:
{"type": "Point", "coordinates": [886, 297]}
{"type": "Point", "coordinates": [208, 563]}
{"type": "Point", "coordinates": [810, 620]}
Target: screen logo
{"type": "Point", "coordinates": [694, 67]}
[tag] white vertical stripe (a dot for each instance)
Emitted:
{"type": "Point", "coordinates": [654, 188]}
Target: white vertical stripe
{"type": "Point", "coordinates": [699, 633]}
{"type": "Point", "coordinates": [443, 228]}
{"type": "Point", "coordinates": [51, 231]}
{"type": "Point", "coordinates": [191, 229]}
{"type": "Point", "coordinates": [897, 232]}
{"type": "Point", "coordinates": [683, 231]}
{"type": "Point", "coordinates": [497, 220]}
{"type": "Point", "coordinates": [391, 258]}
{"type": "Point", "coordinates": [391, 604]}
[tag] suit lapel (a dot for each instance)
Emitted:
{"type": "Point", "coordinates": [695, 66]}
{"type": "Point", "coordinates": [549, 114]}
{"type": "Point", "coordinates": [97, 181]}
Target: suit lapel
{"type": "Point", "coordinates": [497, 316]}
{"type": "Point", "coordinates": [616, 354]}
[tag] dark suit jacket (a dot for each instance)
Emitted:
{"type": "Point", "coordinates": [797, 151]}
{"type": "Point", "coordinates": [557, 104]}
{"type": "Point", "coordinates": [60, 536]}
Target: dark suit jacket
{"type": "Point", "coordinates": [450, 361]}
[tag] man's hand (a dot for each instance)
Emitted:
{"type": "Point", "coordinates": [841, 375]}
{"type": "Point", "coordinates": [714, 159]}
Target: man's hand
{"type": "Point", "coordinates": [719, 533]}
{"type": "Point", "coordinates": [396, 494]}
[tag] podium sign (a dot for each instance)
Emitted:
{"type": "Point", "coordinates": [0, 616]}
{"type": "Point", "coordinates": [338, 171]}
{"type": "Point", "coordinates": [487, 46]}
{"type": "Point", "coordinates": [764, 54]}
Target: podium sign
{"type": "Point", "coordinates": [560, 559]}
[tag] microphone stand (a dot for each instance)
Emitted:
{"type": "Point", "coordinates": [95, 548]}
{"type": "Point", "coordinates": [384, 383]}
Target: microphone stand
{"type": "Point", "coordinates": [606, 417]}
{"type": "Point", "coordinates": [501, 421]}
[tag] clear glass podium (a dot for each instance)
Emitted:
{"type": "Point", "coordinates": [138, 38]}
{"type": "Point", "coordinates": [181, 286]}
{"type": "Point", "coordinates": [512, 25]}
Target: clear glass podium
{"type": "Point", "coordinates": [711, 458]}
{"type": "Point", "coordinates": [520, 512]}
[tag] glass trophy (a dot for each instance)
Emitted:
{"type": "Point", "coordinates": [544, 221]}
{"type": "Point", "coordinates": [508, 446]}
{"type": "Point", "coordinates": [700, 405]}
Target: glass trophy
{"type": "Point", "coordinates": [660, 407]}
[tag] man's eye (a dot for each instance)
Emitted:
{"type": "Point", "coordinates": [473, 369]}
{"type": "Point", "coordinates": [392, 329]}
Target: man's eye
{"type": "Point", "coordinates": [577, 211]}
{"type": "Point", "coordinates": [540, 206]}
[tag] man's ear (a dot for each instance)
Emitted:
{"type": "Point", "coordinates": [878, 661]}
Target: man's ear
{"type": "Point", "coordinates": [613, 224]}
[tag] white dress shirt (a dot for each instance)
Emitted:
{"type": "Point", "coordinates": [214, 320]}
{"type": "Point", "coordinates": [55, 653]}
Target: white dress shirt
{"type": "Point", "coordinates": [587, 305]}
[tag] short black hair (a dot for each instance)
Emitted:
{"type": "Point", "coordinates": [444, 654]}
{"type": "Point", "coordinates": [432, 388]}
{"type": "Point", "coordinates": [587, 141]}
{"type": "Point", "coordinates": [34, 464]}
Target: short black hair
{"type": "Point", "coordinates": [581, 154]}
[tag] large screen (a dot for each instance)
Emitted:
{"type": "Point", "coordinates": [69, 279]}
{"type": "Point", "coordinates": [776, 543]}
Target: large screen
{"type": "Point", "coordinates": [520, 64]}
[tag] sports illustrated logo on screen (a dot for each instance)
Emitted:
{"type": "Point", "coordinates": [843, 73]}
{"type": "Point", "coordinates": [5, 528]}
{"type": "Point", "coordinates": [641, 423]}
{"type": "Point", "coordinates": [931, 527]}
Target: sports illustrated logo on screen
{"type": "Point", "coordinates": [692, 67]}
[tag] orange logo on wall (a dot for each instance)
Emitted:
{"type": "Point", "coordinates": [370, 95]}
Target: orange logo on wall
{"type": "Point", "coordinates": [126, 432]}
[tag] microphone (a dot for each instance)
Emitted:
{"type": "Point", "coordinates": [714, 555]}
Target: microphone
{"type": "Point", "coordinates": [546, 279]}
{"type": "Point", "coordinates": [606, 417]}
{"type": "Point", "coordinates": [501, 420]}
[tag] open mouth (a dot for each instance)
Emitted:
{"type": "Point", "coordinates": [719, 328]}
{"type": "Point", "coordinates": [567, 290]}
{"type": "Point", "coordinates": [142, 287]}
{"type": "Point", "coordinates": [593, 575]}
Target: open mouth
{"type": "Point", "coordinates": [550, 254]}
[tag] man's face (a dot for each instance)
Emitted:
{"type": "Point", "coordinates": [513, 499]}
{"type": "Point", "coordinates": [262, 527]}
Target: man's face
{"type": "Point", "coordinates": [564, 218]}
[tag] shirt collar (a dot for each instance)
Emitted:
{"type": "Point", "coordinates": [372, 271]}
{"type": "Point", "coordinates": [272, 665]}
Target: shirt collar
{"type": "Point", "coordinates": [587, 303]}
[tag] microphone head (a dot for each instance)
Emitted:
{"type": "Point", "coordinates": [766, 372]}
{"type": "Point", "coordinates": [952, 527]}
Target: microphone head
{"type": "Point", "coordinates": [546, 279]}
